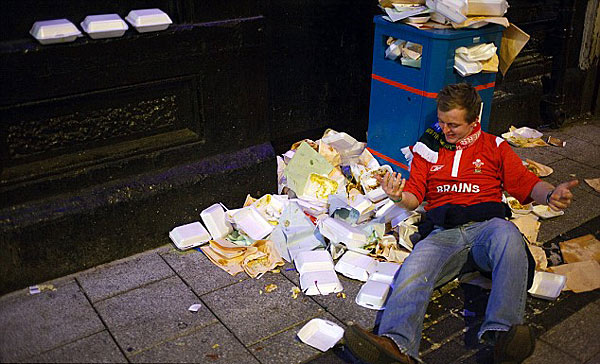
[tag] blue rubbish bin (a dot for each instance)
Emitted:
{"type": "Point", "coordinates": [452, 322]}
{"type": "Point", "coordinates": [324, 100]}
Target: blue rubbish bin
{"type": "Point", "coordinates": [403, 98]}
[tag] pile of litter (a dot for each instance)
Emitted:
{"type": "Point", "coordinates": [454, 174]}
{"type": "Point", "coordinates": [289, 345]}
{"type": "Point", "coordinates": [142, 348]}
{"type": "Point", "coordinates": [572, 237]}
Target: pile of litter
{"type": "Point", "coordinates": [329, 205]}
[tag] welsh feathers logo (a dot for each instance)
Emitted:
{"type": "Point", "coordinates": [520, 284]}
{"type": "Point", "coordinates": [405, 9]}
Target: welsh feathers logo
{"type": "Point", "coordinates": [478, 163]}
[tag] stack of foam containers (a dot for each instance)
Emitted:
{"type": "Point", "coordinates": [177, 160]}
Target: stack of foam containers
{"type": "Point", "coordinates": [317, 274]}
{"type": "Point", "coordinates": [374, 292]}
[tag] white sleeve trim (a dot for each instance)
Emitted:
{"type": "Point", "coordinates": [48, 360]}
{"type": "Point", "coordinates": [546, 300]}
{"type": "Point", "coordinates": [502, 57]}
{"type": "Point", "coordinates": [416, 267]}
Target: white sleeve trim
{"type": "Point", "coordinates": [499, 141]}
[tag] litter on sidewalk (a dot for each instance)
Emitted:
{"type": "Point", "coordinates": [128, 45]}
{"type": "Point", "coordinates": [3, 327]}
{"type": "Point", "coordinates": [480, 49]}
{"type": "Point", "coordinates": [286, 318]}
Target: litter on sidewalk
{"type": "Point", "coordinates": [320, 334]}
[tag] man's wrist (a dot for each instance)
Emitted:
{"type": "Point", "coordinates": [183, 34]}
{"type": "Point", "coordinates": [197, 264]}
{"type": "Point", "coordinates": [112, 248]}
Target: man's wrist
{"type": "Point", "coordinates": [396, 201]}
{"type": "Point", "coordinates": [548, 196]}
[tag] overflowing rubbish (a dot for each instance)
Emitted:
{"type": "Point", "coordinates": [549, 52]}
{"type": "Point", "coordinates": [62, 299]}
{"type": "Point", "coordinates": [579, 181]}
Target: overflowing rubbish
{"type": "Point", "coordinates": [475, 59]}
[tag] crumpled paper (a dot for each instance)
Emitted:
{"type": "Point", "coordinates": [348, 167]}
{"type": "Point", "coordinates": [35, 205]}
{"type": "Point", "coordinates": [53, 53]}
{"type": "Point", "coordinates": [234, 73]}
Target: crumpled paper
{"type": "Point", "coordinates": [581, 276]}
{"type": "Point", "coordinates": [539, 255]}
{"type": "Point", "coordinates": [580, 249]}
{"type": "Point", "coordinates": [538, 169]}
{"type": "Point", "coordinates": [260, 257]}
{"type": "Point", "coordinates": [593, 183]}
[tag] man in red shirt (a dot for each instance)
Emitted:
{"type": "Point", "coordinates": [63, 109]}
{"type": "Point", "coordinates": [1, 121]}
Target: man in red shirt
{"type": "Point", "coordinates": [461, 172]}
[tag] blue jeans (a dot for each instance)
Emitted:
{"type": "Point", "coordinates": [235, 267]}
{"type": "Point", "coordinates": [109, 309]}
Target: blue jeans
{"type": "Point", "coordinates": [495, 246]}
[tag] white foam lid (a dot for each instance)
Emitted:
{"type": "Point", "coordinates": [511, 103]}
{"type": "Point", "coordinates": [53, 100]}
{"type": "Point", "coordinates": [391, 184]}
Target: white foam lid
{"type": "Point", "coordinates": [313, 260]}
{"type": "Point", "coordinates": [214, 219]}
{"type": "Point", "coordinates": [547, 285]}
{"type": "Point", "coordinates": [251, 222]}
{"type": "Point", "coordinates": [51, 29]}
{"type": "Point", "coordinates": [189, 235]}
{"type": "Point", "coordinates": [321, 282]}
{"type": "Point", "coordinates": [340, 141]}
{"type": "Point", "coordinates": [103, 23]}
{"type": "Point", "coordinates": [385, 272]}
{"type": "Point", "coordinates": [320, 334]}
{"type": "Point", "coordinates": [372, 295]}
{"type": "Point", "coordinates": [356, 266]}
{"type": "Point", "coordinates": [148, 17]}
{"type": "Point", "coordinates": [340, 231]}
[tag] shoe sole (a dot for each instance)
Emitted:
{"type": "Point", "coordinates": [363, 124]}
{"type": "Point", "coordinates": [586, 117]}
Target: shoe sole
{"type": "Point", "coordinates": [363, 348]}
{"type": "Point", "coordinates": [518, 334]}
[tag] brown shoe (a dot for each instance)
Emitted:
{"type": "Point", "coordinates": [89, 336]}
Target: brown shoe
{"type": "Point", "coordinates": [515, 345]}
{"type": "Point", "coordinates": [373, 349]}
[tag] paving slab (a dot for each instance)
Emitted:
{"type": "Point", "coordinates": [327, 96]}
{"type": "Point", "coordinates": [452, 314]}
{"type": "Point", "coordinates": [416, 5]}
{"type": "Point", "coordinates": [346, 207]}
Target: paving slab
{"type": "Point", "coordinates": [567, 169]}
{"type": "Point", "coordinates": [143, 317]}
{"type": "Point", "coordinates": [120, 276]}
{"type": "Point", "coordinates": [97, 348]}
{"type": "Point", "coordinates": [209, 344]}
{"type": "Point", "coordinates": [286, 347]}
{"type": "Point", "coordinates": [588, 132]}
{"type": "Point", "coordinates": [581, 151]}
{"type": "Point", "coordinates": [34, 324]}
{"type": "Point", "coordinates": [254, 316]}
{"type": "Point", "coordinates": [544, 155]}
{"type": "Point", "coordinates": [199, 272]}
{"type": "Point", "coordinates": [545, 353]}
{"type": "Point", "coordinates": [577, 335]}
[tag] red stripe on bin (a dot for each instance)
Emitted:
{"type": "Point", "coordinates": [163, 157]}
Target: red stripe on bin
{"type": "Point", "coordinates": [431, 95]}
{"type": "Point", "coordinates": [388, 159]}
{"type": "Point", "coordinates": [487, 85]}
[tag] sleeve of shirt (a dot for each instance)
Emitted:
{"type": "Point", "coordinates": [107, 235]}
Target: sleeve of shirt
{"type": "Point", "coordinates": [417, 182]}
{"type": "Point", "coordinates": [516, 178]}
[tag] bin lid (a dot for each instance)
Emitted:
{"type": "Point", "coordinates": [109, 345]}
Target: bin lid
{"type": "Point", "coordinates": [439, 33]}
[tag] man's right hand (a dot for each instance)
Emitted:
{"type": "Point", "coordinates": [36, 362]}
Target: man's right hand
{"type": "Point", "coordinates": [392, 184]}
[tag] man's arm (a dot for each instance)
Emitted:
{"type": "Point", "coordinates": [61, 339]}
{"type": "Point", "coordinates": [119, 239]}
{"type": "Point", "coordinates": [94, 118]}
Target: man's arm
{"type": "Point", "coordinates": [558, 198]}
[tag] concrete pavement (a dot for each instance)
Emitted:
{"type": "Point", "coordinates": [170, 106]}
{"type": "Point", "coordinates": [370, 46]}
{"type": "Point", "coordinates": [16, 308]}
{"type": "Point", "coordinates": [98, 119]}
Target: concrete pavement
{"type": "Point", "coordinates": [136, 309]}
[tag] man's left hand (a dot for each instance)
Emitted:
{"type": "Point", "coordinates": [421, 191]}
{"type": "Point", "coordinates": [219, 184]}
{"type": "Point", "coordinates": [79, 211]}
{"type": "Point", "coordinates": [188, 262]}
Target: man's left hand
{"type": "Point", "coordinates": [561, 197]}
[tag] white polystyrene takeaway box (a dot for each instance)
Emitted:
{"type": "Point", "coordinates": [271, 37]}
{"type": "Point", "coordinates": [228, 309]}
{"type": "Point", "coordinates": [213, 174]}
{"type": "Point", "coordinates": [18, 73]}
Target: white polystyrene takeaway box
{"type": "Point", "coordinates": [340, 231]}
{"type": "Point", "coordinates": [356, 266]}
{"type": "Point", "coordinates": [189, 235]}
{"type": "Point", "coordinates": [215, 221]}
{"type": "Point", "coordinates": [148, 20]}
{"type": "Point", "coordinates": [373, 295]}
{"type": "Point", "coordinates": [104, 26]}
{"type": "Point", "coordinates": [385, 272]}
{"type": "Point", "coordinates": [54, 31]}
{"type": "Point", "coordinates": [252, 223]}
{"type": "Point", "coordinates": [321, 282]}
{"type": "Point", "coordinates": [312, 261]}
{"type": "Point", "coordinates": [320, 334]}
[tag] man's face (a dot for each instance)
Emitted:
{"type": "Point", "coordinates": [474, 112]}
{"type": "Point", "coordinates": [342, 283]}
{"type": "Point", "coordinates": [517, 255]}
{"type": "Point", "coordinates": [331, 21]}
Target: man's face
{"type": "Point", "coordinates": [453, 124]}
